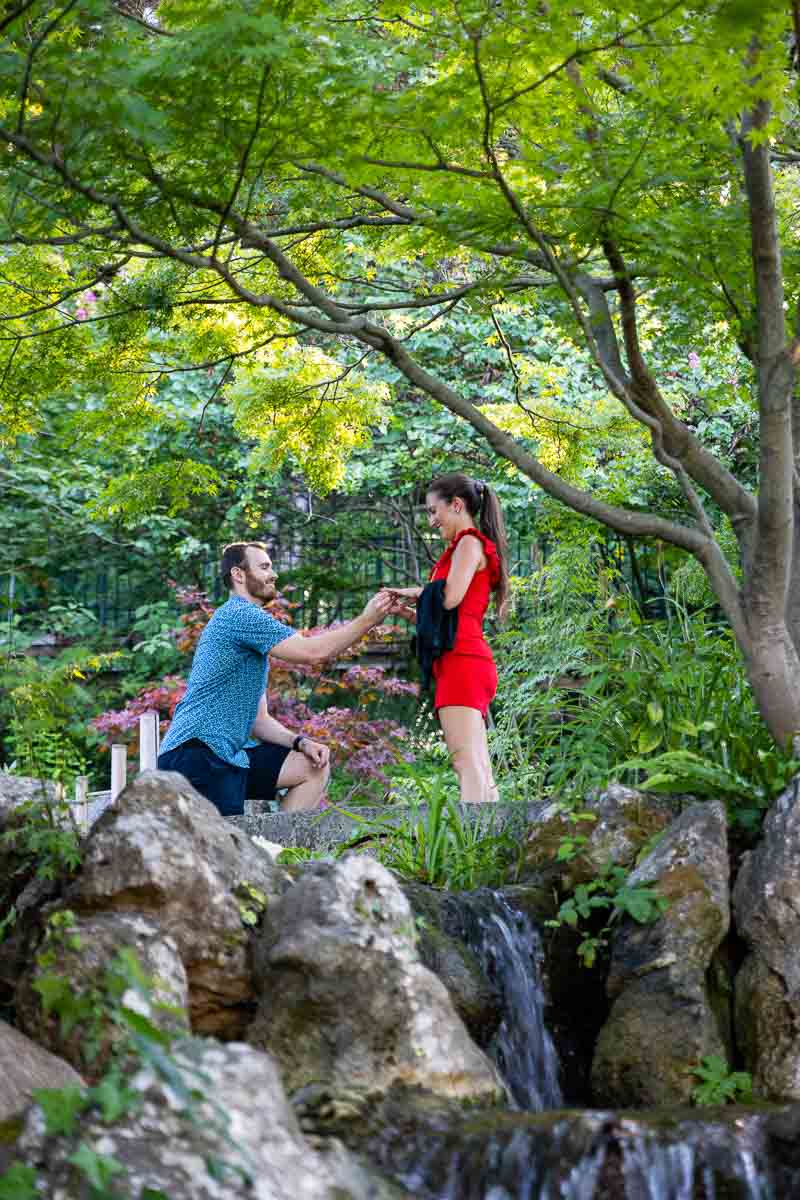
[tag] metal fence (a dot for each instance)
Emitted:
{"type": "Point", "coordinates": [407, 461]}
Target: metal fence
{"type": "Point", "coordinates": [324, 578]}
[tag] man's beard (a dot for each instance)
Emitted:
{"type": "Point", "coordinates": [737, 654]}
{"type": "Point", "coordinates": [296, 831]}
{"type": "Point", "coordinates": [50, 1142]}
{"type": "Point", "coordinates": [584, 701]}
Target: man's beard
{"type": "Point", "coordinates": [259, 588]}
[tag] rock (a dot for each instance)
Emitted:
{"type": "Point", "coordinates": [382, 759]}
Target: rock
{"type": "Point", "coordinates": [164, 851]}
{"type": "Point", "coordinates": [442, 936]}
{"type": "Point", "coordinates": [23, 892]}
{"type": "Point", "coordinates": [82, 957]}
{"type": "Point", "coordinates": [662, 1022]}
{"type": "Point", "coordinates": [20, 789]}
{"type": "Point", "coordinates": [625, 820]}
{"type": "Point", "coordinates": [24, 1067]}
{"type": "Point", "coordinates": [767, 908]}
{"type": "Point", "coordinates": [345, 1000]}
{"type": "Point", "coordinates": [273, 849]}
{"type": "Point", "coordinates": [238, 1139]}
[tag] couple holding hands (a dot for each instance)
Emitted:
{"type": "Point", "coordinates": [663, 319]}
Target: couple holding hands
{"type": "Point", "coordinates": [222, 737]}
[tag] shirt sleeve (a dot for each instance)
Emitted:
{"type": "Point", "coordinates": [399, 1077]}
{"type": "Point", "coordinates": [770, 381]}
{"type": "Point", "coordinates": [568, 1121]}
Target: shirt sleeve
{"type": "Point", "coordinates": [260, 631]}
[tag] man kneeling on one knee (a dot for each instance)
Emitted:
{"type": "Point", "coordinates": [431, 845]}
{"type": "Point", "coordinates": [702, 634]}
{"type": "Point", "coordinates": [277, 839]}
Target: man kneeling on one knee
{"type": "Point", "coordinates": [222, 737]}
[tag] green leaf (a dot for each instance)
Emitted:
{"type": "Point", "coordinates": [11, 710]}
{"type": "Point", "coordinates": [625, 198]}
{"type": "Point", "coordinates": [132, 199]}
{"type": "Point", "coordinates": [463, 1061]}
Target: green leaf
{"type": "Point", "coordinates": [113, 1098]}
{"type": "Point", "coordinates": [648, 740]}
{"type": "Point", "coordinates": [99, 1169]}
{"type": "Point", "coordinates": [61, 1106]}
{"type": "Point", "coordinates": [18, 1183]}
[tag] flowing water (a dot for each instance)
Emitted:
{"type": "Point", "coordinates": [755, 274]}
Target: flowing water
{"type": "Point", "coordinates": [531, 1152]}
{"type": "Point", "coordinates": [510, 951]}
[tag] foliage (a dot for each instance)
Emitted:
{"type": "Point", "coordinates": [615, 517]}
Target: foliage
{"type": "Point", "coordinates": [609, 891]}
{"type": "Point", "coordinates": [719, 1085]}
{"type": "Point", "coordinates": [124, 1000]}
{"type": "Point", "coordinates": [588, 690]}
{"type": "Point", "coordinates": [435, 842]}
{"type": "Point", "coordinates": [42, 835]}
{"type": "Point", "coordinates": [45, 710]}
{"type": "Point", "coordinates": [516, 177]}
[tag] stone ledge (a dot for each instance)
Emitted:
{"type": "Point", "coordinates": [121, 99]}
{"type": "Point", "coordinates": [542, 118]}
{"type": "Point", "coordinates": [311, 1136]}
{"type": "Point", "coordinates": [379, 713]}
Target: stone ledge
{"type": "Point", "coordinates": [325, 829]}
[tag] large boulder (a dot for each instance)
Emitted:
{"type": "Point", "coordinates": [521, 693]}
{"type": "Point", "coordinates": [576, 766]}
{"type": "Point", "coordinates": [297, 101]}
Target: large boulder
{"type": "Point", "coordinates": [345, 1000]}
{"type": "Point", "coordinates": [77, 964]}
{"type": "Point", "coordinates": [24, 1067]}
{"type": "Point", "coordinates": [767, 909]}
{"type": "Point", "coordinates": [162, 850]}
{"type": "Point", "coordinates": [615, 826]}
{"type": "Point", "coordinates": [217, 1127]}
{"type": "Point", "coordinates": [663, 1020]}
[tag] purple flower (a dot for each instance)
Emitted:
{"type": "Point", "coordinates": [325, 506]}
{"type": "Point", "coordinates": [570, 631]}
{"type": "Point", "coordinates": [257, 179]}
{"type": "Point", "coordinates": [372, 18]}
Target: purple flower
{"type": "Point", "coordinates": [694, 359]}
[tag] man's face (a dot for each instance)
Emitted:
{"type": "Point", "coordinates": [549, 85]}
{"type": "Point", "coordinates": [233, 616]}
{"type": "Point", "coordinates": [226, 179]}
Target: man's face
{"type": "Point", "coordinates": [259, 575]}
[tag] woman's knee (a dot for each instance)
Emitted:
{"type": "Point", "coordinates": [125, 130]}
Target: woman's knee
{"type": "Point", "coordinates": [465, 758]}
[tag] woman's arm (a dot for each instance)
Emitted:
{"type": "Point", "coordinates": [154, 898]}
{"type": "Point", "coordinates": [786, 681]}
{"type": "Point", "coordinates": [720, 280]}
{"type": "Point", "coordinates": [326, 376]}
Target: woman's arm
{"type": "Point", "coordinates": [409, 593]}
{"type": "Point", "coordinates": [467, 558]}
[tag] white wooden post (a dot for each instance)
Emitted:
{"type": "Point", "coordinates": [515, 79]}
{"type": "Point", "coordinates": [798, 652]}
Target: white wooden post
{"type": "Point", "coordinates": [119, 769]}
{"type": "Point", "coordinates": [148, 741]}
{"type": "Point", "coordinates": [82, 801]}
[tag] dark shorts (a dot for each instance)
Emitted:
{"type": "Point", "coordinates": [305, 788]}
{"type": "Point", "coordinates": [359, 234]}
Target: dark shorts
{"type": "Point", "coordinates": [223, 784]}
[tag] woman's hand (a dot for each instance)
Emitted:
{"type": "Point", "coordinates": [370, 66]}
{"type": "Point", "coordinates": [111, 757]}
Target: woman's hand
{"type": "Point", "coordinates": [408, 594]}
{"type": "Point", "coordinates": [405, 611]}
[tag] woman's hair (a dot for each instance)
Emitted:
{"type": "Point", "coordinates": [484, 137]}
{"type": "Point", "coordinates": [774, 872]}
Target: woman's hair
{"type": "Point", "coordinates": [484, 508]}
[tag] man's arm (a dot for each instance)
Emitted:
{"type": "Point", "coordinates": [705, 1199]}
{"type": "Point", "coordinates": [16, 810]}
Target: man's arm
{"type": "Point", "coordinates": [298, 649]}
{"type": "Point", "coordinates": [267, 729]}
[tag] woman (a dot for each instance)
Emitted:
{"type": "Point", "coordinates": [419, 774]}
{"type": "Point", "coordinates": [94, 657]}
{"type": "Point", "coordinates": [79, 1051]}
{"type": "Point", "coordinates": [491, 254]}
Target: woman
{"type": "Point", "coordinates": [467, 515]}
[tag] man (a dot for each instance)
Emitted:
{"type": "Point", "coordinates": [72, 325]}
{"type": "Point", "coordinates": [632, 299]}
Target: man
{"type": "Point", "coordinates": [210, 739]}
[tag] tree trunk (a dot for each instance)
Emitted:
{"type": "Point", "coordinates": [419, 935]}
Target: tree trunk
{"type": "Point", "coordinates": [773, 669]}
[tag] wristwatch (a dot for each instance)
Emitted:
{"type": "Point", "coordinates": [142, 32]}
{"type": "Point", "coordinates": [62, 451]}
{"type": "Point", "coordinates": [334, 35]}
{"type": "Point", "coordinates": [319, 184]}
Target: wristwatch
{"type": "Point", "coordinates": [296, 743]}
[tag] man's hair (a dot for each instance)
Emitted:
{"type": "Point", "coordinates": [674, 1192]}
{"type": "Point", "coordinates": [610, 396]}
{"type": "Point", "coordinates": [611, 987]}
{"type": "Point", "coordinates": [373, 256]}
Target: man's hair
{"type": "Point", "coordinates": [235, 555]}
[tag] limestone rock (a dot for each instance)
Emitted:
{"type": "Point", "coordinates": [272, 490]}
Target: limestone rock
{"type": "Point", "coordinates": [240, 1122]}
{"type": "Point", "coordinates": [662, 1022]}
{"type": "Point", "coordinates": [163, 850]}
{"type": "Point", "coordinates": [345, 1000]}
{"type": "Point", "coordinates": [19, 789]}
{"type": "Point", "coordinates": [82, 959]}
{"type": "Point", "coordinates": [767, 907]}
{"type": "Point", "coordinates": [443, 949]}
{"type": "Point", "coordinates": [624, 822]}
{"type": "Point", "coordinates": [24, 1067]}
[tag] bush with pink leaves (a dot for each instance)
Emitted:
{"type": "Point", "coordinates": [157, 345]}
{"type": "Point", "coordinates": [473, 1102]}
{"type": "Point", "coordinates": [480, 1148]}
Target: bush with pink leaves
{"type": "Point", "coordinates": [304, 699]}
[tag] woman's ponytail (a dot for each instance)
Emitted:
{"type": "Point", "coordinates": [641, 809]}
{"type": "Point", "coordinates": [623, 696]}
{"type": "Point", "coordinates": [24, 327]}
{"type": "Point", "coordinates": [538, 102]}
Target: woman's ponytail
{"type": "Point", "coordinates": [491, 523]}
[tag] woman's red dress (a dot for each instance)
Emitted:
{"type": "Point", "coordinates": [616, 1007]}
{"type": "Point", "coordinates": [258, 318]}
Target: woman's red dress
{"type": "Point", "coordinates": [466, 675]}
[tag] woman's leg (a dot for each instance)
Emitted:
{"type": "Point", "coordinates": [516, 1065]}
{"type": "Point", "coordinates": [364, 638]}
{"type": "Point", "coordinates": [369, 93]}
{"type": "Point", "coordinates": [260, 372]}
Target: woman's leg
{"type": "Point", "coordinates": [465, 734]}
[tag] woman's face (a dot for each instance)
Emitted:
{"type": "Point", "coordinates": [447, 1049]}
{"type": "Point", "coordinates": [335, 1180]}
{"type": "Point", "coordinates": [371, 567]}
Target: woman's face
{"type": "Point", "coordinates": [442, 515]}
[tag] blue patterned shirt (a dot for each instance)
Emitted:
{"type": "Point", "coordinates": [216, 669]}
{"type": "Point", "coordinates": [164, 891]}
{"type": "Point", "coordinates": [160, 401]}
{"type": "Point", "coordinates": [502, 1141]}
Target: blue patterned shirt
{"type": "Point", "coordinates": [227, 680]}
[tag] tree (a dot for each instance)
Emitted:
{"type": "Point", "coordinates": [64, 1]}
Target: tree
{"type": "Point", "coordinates": [248, 176]}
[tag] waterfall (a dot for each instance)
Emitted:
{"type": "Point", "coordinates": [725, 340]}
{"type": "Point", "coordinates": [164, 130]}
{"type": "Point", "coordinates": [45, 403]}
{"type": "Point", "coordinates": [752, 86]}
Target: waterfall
{"type": "Point", "coordinates": [510, 952]}
{"type": "Point", "coordinates": [587, 1156]}
{"type": "Point", "coordinates": [536, 1149]}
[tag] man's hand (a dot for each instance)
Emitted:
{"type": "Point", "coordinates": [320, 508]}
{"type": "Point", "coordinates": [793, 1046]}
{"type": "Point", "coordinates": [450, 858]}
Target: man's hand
{"type": "Point", "coordinates": [400, 609]}
{"type": "Point", "coordinates": [379, 606]}
{"type": "Point", "coordinates": [315, 751]}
